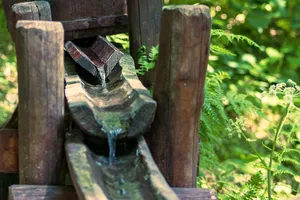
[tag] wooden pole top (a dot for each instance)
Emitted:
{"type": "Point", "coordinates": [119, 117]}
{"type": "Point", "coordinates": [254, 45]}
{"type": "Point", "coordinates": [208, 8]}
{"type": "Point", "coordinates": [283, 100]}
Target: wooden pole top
{"type": "Point", "coordinates": [41, 25]}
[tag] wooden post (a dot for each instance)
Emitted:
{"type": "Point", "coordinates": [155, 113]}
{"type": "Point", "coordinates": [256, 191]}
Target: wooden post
{"type": "Point", "coordinates": [144, 24]}
{"type": "Point", "coordinates": [178, 90]}
{"type": "Point", "coordinates": [35, 10]}
{"type": "Point", "coordinates": [40, 55]}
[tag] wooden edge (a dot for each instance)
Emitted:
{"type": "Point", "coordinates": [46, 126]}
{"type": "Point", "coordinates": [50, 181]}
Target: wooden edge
{"type": "Point", "coordinates": [35, 192]}
{"type": "Point", "coordinates": [9, 151]}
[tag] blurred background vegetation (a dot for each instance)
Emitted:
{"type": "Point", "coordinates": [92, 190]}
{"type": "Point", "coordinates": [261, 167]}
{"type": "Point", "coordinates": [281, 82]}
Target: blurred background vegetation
{"type": "Point", "coordinates": [234, 104]}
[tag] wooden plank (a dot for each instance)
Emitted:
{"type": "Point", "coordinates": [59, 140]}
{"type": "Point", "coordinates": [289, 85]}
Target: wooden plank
{"type": "Point", "coordinates": [36, 10]}
{"type": "Point", "coordinates": [40, 53]}
{"type": "Point", "coordinates": [195, 194]}
{"type": "Point", "coordinates": [9, 151]}
{"type": "Point", "coordinates": [178, 90]}
{"type": "Point", "coordinates": [85, 19]}
{"type": "Point", "coordinates": [144, 28]}
{"type": "Point", "coordinates": [35, 192]}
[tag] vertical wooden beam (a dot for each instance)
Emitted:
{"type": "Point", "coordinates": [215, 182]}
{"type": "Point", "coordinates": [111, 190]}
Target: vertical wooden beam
{"type": "Point", "coordinates": [40, 55]}
{"type": "Point", "coordinates": [144, 24]}
{"type": "Point", "coordinates": [35, 10]}
{"type": "Point", "coordinates": [178, 90]}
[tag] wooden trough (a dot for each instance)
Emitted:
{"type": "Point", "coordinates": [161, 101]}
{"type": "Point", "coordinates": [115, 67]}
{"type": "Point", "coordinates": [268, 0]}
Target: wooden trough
{"type": "Point", "coordinates": [92, 84]}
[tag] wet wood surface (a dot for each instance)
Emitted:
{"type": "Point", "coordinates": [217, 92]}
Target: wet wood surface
{"type": "Point", "coordinates": [39, 47]}
{"type": "Point", "coordinates": [35, 192]}
{"type": "Point", "coordinates": [178, 90]}
{"type": "Point", "coordinates": [83, 18]}
{"type": "Point", "coordinates": [124, 98]}
{"type": "Point", "coordinates": [144, 28]}
{"type": "Point", "coordinates": [133, 175]}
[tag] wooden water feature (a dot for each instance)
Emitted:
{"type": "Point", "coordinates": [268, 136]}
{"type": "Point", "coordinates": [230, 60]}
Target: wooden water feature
{"type": "Point", "coordinates": [88, 104]}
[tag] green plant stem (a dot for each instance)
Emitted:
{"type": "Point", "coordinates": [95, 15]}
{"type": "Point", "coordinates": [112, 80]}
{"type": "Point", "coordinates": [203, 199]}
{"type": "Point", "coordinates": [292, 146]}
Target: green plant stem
{"type": "Point", "coordinates": [254, 150]}
{"type": "Point", "coordinates": [278, 130]}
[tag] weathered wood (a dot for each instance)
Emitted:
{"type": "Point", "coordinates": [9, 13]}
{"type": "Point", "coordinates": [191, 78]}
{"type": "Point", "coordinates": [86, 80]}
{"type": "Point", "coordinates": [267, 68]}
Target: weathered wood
{"type": "Point", "coordinates": [35, 192]}
{"type": "Point", "coordinates": [133, 176]}
{"type": "Point", "coordinates": [9, 151]}
{"type": "Point", "coordinates": [82, 18]}
{"type": "Point", "coordinates": [178, 90]}
{"type": "Point", "coordinates": [144, 28]}
{"type": "Point", "coordinates": [8, 161]}
{"type": "Point", "coordinates": [36, 10]}
{"type": "Point", "coordinates": [195, 194]}
{"type": "Point", "coordinates": [99, 60]}
{"type": "Point", "coordinates": [39, 46]}
{"type": "Point", "coordinates": [124, 98]}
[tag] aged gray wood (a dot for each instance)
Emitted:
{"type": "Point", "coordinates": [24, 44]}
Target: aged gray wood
{"type": "Point", "coordinates": [39, 46]}
{"type": "Point", "coordinates": [178, 90]}
{"type": "Point", "coordinates": [38, 192]}
{"type": "Point", "coordinates": [83, 18]}
{"type": "Point", "coordinates": [35, 10]}
{"type": "Point", "coordinates": [144, 28]}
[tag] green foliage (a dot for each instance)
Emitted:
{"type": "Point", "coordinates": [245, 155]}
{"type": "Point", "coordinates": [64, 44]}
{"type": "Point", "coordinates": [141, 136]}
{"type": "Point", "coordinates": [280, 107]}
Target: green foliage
{"type": "Point", "coordinates": [147, 62]}
{"type": "Point", "coordinates": [8, 77]}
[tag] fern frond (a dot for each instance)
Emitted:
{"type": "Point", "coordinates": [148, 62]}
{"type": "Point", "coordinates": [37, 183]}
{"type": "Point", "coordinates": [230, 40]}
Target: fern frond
{"type": "Point", "coordinates": [220, 50]}
{"type": "Point", "coordinates": [231, 37]}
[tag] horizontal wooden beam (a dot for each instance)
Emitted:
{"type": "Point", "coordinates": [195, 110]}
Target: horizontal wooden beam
{"type": "Point", "coordinates": [9, 151]}
{"type": "Point", "coordinates": [33, 192]}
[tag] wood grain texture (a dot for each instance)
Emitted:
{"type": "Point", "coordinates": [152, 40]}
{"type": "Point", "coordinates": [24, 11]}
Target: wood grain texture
{"type": "Point", "coordinates": [36, 10]}
{"type": "Point", "coordinates": [8, 160]}
{"type": "Point", "coordinates": [9, 151]}
{"type": "Point", "coordinates": [39, 46]}
{"type": "Point", "coordinates": [144, 28]}
{"type": "Point", "coordinates": [195, 194]}
{"type": "Point", "coordinates": [125, 99]}
{"type": "Point", "coordinates": [94, 178]}
{"type": "Point", "coordinates": [37, 192]}
{"type": "Point", "coordinates": [82, 18]}
{"type": "Point", "coordinates": [178, 90]}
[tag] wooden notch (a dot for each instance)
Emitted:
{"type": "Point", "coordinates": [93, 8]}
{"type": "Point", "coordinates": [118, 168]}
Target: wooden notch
{"type": "Point", "coordinates": [35, 10]}
{"type": "Point", "coordinates": [39, 46]}
{"type": "Point", "coordinates": [178, 90]}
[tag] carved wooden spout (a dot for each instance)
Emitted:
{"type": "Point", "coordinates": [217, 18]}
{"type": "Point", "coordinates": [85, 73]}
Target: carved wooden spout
{"type": "Point", "coordinates": [118, 96]}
